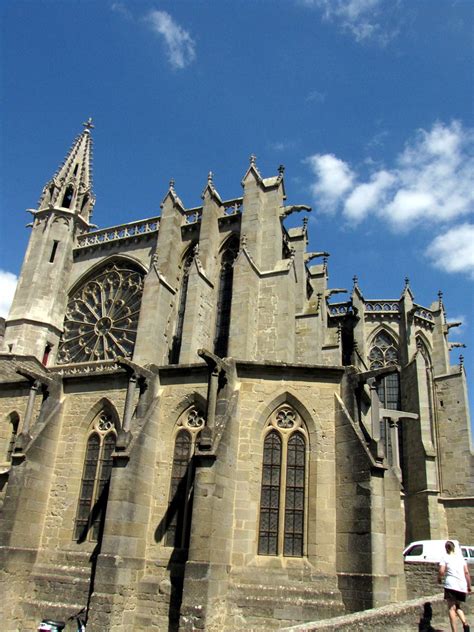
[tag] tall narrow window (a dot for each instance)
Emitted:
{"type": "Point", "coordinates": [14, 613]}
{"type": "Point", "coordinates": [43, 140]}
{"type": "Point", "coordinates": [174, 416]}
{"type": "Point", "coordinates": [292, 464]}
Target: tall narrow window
{"type": "Point", "coordinates": [67, 199]}
{"type": "Point", "coordinates": [294, 498]}
{"type": "Point", "coordinates": [95, 479]}
{"type": "Point", "coordinates": [224, 298]}
{"type": "Point", "coordinates": [384, 353]}
{"type": "Point", "coordinates": [421, 346]}
{"type": "Point", "coordinates": [178, 337]}
{"type": "Point", "coordinates": [182, 479]}
{"type": "Point", "coordinates": [270, 496]}
{"type": "Point", "coordinates": [54, 249]}
{"type": "Point", "coordinates": [47, 351]}
{"type": "Point", "coordinates": [283, 490]}
{"type": "Point", "coordinates": [14, 424]}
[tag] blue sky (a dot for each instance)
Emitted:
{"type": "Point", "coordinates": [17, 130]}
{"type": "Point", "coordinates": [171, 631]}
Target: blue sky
{"type": "Point", "coordinates": [367, 103]}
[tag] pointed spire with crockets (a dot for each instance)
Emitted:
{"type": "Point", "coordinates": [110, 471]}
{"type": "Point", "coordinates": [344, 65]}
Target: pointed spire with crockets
{"type": "Point", "coordinates": [71, 186]}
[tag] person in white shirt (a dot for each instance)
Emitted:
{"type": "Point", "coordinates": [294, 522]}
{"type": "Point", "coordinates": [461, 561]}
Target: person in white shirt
{"type": "Point", "coordinates": [457, 583]}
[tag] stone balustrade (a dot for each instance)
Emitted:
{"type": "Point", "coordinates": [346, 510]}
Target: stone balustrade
{"type": "Point", "coordinates": [118, 233]}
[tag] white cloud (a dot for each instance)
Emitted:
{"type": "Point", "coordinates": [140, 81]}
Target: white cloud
{"type": "Point", "coordinates": [430, 180]}
{"type": "Point", "coordinates": [121, 9]}
{"type": "Point", "coordinates": [453, 251]}
{"type": "Point", "coordinates": [428, 185]}
{"type": "Point", "coordinates": [361, 18]}
{"type": "Point", "coordinates": [7, 289]}
{"type": "Point", "coordinates": [333, 179]}
{"type": "Point", "coordinates": [316, 96]}
{"type": "Point", "coordinates": [180, 46]}
{"type": "Point", "coordinates": [364, 197]}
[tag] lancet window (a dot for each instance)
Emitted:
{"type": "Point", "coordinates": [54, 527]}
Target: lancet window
{"type": "Point", "coordinates": [96, 474]}
{"type": "Point", "coordinates": [383, 353]}
{"type": "Point", "coordinates": [68, 195]}
{"type": "Point", "coordinates": [178, 337]}
{"type": "Point", "coordinates": [224, 299]}
{"type": "Point", "coordinates": [283, 488]}
{"type": "Point", "coordinates": [180, 499]}
{"type": "Point", "coordinates": [102, 315]}
{"type": "Point", "coordinates": [14, 420]}
{"type": "Point", "coordinates": [422, 348]}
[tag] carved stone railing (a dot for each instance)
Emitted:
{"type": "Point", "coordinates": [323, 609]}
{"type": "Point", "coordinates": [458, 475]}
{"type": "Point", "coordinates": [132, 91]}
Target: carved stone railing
{"type": "Point", "coordinates": [382, 306]}
{"type": "Point", "coordinates": [117, 233]}
{"type": "Point", "coordinates": [422, 312]}
{"type": "Point", "coordinates": [233, 207]}
{"type": "Point", "coordinates": [193, 215]}
{"type": "Point", "coordinates": [86, 368]}
{"type": "Point", "coordinates": [338, 309]}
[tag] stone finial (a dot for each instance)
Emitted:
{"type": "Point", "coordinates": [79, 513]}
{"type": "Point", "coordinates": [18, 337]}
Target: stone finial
{"type": "Point", "coordinates": [88, 124]}
{"type": "Point", "coordinates": [355, 280]}
{"type": "Point", "coordinates": [461, 361]}
{"type": "Point", "coordinates": [440, 297]}
{"type": "Point", "coordinates": [253, 159]}
{"type": "Point", "coordinates": [172, 183]}
{"type": "Point", "coordinates": [281, 170]}
{"type": "Point", "coordinates": [305, 223]}
{"type": "Point", "coordinates": [210, 177]}
{"type": "Point", "coordinates": [407, 282]}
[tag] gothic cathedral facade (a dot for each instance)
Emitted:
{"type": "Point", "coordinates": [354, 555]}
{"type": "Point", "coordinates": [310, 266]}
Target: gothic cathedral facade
{"type": "Point", "coordinates": [195, 434]}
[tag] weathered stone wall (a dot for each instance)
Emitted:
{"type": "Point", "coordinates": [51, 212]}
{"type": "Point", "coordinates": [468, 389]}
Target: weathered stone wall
{"type": "Point", "coordinates": [353, 516]}
{"type": "Point", "coordinates": [421, 579]}
{"type": "Point", "coordinates": [456, 456]}
{"type": "Point", "coordinates": [266, 591]}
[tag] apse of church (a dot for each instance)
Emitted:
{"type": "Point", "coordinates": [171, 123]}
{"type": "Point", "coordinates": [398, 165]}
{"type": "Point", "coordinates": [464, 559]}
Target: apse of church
{"type": "Point", "coordinates": [199, 433]}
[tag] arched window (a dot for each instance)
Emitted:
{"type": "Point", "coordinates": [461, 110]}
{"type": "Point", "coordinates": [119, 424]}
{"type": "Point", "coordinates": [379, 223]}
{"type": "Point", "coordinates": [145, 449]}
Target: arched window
{"type": "Point", "coordinates": [384, 353]}
{"type": "Point", "coordinates": [423, 349]}
{"type": "Point", "coordinates": [68, 195]}
{"type": "Point", "coordinates": [182, 479]}
{"type": "Point", "coordinates": [14, 420]}
{"type": "Point", "coordinates": [102, 315]}
{"type": "Point", "coordinates": [85, 200]}
{"type": "Point", "coordinates": [283, 489]}
{"type": "Point", "coordinates": [224, 297]}
{"type": "Point", "coordinates": [95, 479]}
{"type": "Point", "coordinates": [178, 336]}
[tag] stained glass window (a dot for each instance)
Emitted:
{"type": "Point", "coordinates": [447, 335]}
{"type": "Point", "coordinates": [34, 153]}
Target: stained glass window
{"type": "Point", "coordinates": [283, 489]}
{"type": "Point", "coordinates": [102, 316]}
{"type": "Point", "coordinates": [95, 479]}
{"type": "Point", "coordinates": [270, 498]}
{"type": "Point", "coordinates": [294, 501]}
{"type": "Point", "coordinates": [182, 479]}
{"type": "Point", "coordinates": [383, 353]}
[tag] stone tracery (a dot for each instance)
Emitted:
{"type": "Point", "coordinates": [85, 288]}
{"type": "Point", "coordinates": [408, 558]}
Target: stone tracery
{"type": "Point", "coordinates": [102, 316]}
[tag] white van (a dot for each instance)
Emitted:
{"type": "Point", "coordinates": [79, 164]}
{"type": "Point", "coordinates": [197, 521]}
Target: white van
{"type": "Point", "coordinates": [468, 553]}
{"type": "Point", "coordinates": [427, 551]}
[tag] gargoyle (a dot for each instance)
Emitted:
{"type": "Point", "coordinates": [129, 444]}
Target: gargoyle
{"type": "Point", "coordinates": [288, 210]}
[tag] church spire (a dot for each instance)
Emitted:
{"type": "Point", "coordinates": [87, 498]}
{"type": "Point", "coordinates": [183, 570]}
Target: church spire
{"type": "Point", "coordinates": [71, 186]}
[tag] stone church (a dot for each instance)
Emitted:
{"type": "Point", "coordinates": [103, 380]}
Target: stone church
{"type": "Point", "coordinates": [197, 433]}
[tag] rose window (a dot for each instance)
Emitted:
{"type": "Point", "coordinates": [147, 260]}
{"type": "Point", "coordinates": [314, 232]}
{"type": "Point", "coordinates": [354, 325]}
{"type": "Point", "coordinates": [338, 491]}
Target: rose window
{"type": "Point", "coordinates": [102, 316]}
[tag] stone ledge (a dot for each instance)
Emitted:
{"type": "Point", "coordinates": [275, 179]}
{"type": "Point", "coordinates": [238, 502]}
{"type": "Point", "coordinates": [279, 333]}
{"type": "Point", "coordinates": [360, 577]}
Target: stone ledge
{"type": "Point", "coordinates": [396, 617]}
